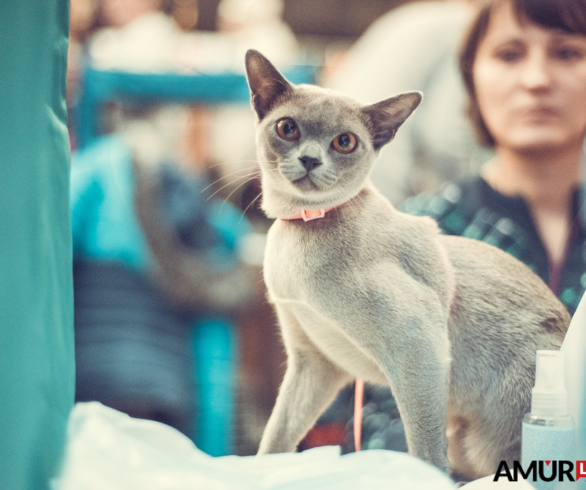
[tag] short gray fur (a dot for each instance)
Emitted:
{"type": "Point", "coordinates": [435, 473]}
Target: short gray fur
{"type": "Point", "coordinates": [450, 324]}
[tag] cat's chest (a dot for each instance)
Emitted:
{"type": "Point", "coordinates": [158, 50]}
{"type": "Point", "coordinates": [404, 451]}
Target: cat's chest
{"type": "Point", "coordinates": [313, 277]}
{"type": "Point", "coordinates": [298, 265]}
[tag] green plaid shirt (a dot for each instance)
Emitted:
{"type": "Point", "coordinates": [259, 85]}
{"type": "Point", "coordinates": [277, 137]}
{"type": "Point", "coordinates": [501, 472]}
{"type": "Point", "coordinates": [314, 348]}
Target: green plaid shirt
{"type": "Point", "coordinates": [473, 209]}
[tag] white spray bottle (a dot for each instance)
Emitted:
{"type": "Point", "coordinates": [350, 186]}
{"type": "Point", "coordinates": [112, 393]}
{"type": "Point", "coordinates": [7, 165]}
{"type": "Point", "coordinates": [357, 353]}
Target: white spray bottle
{"type": "Point", "coordinates": [549, 431]}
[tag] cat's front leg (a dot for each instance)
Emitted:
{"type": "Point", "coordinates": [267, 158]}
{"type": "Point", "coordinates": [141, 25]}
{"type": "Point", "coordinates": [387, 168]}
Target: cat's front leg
{"type": "Point", "coordinates": [311, 383]}
{"type": "Point", "coordinates": [418, 369]}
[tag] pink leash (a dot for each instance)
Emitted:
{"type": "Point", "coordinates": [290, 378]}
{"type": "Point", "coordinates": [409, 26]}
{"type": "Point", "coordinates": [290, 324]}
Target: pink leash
{"type": "Point", "coordinates": [358, 399]}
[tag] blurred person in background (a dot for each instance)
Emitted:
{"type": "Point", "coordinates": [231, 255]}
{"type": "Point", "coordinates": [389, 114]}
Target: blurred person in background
{"type": "Point", "coordinates": [414, 47]}
{"type": "Point", "coordinates": [155, 256]}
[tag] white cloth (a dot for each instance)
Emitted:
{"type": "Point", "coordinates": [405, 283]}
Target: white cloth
{"type": "Point", "coordinates": [414, 47]}
{"type": "Point", "coordinates": [109, 450]}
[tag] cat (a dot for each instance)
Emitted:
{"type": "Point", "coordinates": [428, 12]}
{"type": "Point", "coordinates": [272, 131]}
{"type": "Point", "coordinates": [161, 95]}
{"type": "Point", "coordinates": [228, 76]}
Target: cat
{"type": "Point", "coordinates": [362, 290]}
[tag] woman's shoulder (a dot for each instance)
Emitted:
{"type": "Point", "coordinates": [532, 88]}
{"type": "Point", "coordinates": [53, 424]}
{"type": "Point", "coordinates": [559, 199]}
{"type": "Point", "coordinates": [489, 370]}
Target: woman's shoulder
{"type": "Point", "coordinates": [470, 207]}
{"type": "Point", "coordinates": [473, 209]}
{"type": "Point", "coordinates": [467, 195]}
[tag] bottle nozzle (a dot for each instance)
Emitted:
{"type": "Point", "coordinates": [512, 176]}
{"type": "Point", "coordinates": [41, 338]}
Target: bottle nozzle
{"type": "Point", "coordinates": [549, 395]}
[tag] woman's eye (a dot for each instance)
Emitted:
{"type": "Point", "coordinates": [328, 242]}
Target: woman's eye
{"type": "Point", "coordinates": [567, 54]}
{"type": "Point", "coordinates": [345, 143]}
{"type": "Point", "coordinates": [509, 55]}
{"type": "Point", "coordinates": [288, 130]}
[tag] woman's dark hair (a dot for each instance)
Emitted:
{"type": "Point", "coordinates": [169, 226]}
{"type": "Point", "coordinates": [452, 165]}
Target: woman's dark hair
{"type": "Point", "coordinates": [566, 15]}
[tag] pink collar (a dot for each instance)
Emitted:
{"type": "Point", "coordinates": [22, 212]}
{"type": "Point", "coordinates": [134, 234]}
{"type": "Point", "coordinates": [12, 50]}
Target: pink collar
{"type": "Point", "coordinates": [309, 214]}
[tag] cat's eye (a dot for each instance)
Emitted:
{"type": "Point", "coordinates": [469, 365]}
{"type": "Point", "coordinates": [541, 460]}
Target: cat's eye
{"type": "Point", "coordinates": [288, 130]}
{"type": "Point", "coordinates": [345, 143]}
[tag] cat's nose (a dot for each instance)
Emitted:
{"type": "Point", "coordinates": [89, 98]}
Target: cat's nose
{"type": "Point", "coordinates": [309, 162]}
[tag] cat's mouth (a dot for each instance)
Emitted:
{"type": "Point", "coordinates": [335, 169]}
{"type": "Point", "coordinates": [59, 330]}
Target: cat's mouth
{"type": "Point", "coordinates": [307, 184]}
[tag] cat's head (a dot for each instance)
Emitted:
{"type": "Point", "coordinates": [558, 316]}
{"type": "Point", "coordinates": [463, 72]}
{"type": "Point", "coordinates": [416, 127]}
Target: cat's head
{"type": "Point", "coordinates": [316, 147]}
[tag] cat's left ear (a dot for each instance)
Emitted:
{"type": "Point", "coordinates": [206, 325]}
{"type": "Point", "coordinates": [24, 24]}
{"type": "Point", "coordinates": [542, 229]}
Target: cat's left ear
{"type": "Point", "coordinates": [388, 115]}
{"type": "Point", "coordinates": [266, 84]}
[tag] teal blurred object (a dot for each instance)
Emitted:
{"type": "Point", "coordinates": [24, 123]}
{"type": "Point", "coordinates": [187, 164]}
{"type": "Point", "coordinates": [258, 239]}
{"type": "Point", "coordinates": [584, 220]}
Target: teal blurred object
{"type": "Point", "coordinates": [100, 87]}
{"type": "Point", "coordinates": [103, 219]}
{"type": "Point", "coordinates": [215, 346]}
{"type": "Point", "coordinates": [36, 295]}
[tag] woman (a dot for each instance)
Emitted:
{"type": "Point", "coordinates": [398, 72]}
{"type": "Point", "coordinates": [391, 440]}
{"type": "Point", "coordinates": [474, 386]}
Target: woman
{"type": "Point", "coordinates": [524, 67]}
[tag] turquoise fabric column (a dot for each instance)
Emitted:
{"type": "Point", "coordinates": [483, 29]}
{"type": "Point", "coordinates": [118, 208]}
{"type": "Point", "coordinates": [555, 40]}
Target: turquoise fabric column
{"type": "Point", "coordinates": [36, 295]}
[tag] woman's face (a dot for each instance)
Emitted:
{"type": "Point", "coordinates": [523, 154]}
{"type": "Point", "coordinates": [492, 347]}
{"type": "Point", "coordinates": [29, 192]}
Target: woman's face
{"type": "Point", "coordinates": [530, 84]}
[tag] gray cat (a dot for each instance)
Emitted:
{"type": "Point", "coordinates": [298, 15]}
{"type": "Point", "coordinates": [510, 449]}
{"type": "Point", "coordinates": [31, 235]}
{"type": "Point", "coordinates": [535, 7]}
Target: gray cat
{"type": "Point", "coordinates": [450, 324]}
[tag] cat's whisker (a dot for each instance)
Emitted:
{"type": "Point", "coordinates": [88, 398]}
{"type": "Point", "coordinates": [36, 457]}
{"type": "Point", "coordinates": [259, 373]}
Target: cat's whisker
{"type": "Point", "coordinates": [248, 207]}
{"type": "Point", "coordinates": [237, 187]}
{"type": "Point", "coordinates": [361, 199]}
{"type": "Point", "coordinates": [247, 176]}
{"type": "Point", "coordinates": [352, 205]}
{"type": "Point", "coordinates": [237, 169]}
{"type": "Point", "coordinates": [228, 175]}
{"type": "Point", "coordinates": [228, 163]}
{"type": "Point", "coordinates": [355, 206]}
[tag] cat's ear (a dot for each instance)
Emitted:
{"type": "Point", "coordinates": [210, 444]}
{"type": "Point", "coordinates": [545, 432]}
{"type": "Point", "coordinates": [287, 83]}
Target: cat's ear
{"type": "Point", "coordinates": [388, 115]}
{"type": "Point", "coordinates": [266, 84]}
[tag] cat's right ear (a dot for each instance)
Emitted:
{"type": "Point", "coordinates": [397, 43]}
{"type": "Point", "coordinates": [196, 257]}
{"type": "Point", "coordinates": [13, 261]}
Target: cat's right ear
{"type": "Point", "coordinates": [388, 115]}
{"type": "Point", "coordinates": [266, 84]}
